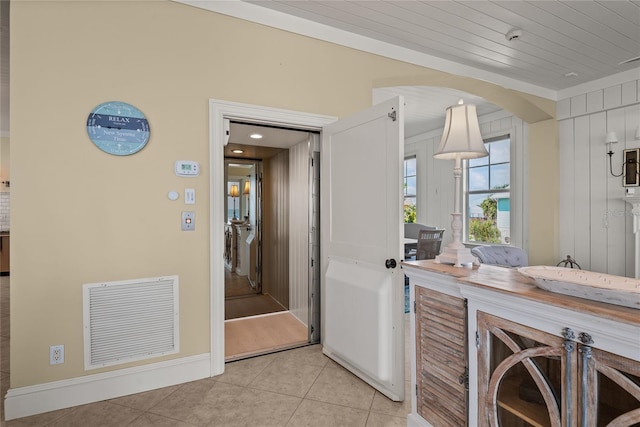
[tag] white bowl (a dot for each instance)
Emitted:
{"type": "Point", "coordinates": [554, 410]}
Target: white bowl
{"type": "Point", "coordinates": [591, 285]}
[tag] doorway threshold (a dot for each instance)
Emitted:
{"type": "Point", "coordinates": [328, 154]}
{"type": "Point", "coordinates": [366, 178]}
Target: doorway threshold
{"type": "Point", "coordinates": [257, 335]}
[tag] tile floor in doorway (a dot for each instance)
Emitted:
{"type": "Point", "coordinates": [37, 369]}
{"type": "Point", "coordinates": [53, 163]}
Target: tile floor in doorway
{"type": "Point", "coordinates": [299, 387]}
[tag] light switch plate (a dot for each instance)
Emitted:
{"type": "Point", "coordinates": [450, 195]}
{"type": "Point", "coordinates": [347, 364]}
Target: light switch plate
{"type": "Point", "coordinates": [189, 196]}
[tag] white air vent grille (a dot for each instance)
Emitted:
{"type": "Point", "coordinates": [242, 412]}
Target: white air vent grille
{"type": "Point", "coordinates": [130, 320]}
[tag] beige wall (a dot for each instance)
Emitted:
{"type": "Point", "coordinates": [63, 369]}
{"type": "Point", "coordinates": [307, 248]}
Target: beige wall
{"type": "Point", "coordinates": [82, 216]}
{"type": "Point", "coordinates": [543, 193]}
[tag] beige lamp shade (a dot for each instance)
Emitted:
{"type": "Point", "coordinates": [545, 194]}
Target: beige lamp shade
{"type": "Point", "coordinates": [247, 188]}
{"type": "Point", "coordinates": [461, 135]}
{"type": "Point", "coordinates": [234, 192]}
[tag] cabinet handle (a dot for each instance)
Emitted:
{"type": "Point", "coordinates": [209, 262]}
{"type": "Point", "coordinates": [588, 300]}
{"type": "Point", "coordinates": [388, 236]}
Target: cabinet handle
{"type": "Point", "coordinates": [568, 346]}
{"type": "Point", "coordinates": [585, 350]}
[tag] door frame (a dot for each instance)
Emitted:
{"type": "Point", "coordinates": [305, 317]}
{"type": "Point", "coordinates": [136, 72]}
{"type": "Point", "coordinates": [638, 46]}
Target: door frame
{"type": "Point", "coordinates": [219, 110]}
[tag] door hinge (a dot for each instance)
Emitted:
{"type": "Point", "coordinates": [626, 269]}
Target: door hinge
{"type": "Point", "coordinates": [477, 339]}
{"type": "Point", "coordinates": [312, 329]}
{"type": "Point", "coordinates": [393, 115]}
{"type": "Point", "coordinates": [416, 389]}
{"type": "Point", "coordinates": [312, 262]}
{"type": "Point", "coordinates": [414, 306]}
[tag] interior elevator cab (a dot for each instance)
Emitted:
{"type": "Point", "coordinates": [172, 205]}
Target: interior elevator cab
{"type": "Point", "coordinates": [272, 217]}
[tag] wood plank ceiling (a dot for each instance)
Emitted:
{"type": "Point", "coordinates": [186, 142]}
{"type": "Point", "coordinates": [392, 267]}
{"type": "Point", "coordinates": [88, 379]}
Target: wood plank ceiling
{"type": "Point", "coordinates": [591, 39]}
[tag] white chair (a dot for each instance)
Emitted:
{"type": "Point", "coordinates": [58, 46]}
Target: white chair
{"type": "Point", "coordinates": [506, 256]}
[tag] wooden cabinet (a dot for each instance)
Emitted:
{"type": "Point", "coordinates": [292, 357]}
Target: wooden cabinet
{"type": "Point", "coordinates": [441, 357]}
{"type": "Point", "coordinates": [4, 255]}
{"type": "Point", "coordinates": [532, 378]}
{"type": "Point", "coordinates": [534, 358]}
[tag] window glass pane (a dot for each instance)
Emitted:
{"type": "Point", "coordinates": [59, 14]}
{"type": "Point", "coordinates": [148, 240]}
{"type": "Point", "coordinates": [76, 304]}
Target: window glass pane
{"type": "Point", "coordinates": [410, 189]}
{"type": "Point", "coordinates": [499, 178]}
{"type": "Point", "coordinates": [488, 204]}
{"type": "Point", "coordinates": [482, 218]}
{"type": "Point", "coordinates": [500, 151]}
{"type": "Point", "coordinates": [503, 217]}
{"type": "Point", "coordinates": [479, 178]}
{"type": "Point", "coordinates": [410, 186]}
{"type": "Point", "coordinates": [410, 166]}
{"type": "Point", "coordinates": [475, 211]}
{"type": "Point", "coordinates": [409, 209]}
{"type": "Point", "coordinates": [479, 162]}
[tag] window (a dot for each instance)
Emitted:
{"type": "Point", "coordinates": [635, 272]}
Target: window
{"type": "Point", "coordinates": [488, 194]}
{"type": "Point", "coordinates": [409, 181]}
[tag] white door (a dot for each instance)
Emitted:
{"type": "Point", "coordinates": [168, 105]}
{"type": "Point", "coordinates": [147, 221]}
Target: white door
{"type": "Point", "coordinates": [361, 222]}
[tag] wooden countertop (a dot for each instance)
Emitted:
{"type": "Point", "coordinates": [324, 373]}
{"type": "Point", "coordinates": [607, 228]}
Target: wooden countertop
{"type": "Point", "coordinates": [510, 281]}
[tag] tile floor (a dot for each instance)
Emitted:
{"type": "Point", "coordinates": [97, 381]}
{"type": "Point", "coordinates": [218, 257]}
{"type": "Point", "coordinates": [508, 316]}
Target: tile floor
{"type": "Point", "coordinates": [299, 387]}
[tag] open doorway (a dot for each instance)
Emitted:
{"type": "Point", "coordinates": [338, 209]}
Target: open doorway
{"type": "Point", "coordinates": [221, 115]}
{"type": "Point", "coordinates": [268, 238]}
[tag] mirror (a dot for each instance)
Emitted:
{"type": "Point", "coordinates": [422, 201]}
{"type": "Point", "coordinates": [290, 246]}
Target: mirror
{"type": "Point", "coordinates": [242, 215]}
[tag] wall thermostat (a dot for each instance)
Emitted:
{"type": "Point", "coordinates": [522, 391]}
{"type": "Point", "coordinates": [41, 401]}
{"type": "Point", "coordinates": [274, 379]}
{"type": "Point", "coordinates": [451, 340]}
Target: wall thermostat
{"type": "Point", "coordinates": [187, 168]}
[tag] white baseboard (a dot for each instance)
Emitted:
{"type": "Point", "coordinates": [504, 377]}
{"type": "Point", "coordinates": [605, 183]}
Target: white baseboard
{"type": "Point", "coordinates": [415, 420]}
{"type": "Point", "coordinates": [36, 399]}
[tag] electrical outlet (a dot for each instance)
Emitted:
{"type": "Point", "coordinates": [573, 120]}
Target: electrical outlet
{"type": "Point", "coordinates": [56, 354]}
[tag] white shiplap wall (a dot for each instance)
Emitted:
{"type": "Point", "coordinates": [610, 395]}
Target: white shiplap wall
{"type": "Point", "coordinates": [596, 224]}
{"type": "Point", "coordinates": [435, 177]}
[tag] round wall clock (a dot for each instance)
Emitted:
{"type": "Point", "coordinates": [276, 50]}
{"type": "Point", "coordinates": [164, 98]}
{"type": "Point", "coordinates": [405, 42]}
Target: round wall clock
{"type": "Point", "coordinates": [118, 128]}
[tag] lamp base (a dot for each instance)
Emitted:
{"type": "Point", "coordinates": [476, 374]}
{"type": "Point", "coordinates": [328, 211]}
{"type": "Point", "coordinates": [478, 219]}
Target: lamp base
{"type": "Point", "coordinates": [456, 256]}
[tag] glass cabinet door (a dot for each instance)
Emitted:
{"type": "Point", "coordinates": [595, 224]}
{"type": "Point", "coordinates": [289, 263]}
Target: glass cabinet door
{"type": "Point", "coordinates": [610, 388]}
{"type": "Point", "coordinates": [523, 376]}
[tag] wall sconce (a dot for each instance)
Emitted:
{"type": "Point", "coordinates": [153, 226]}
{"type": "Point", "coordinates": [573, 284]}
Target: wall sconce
{"type": "Point", "coordinates": [630, 169]}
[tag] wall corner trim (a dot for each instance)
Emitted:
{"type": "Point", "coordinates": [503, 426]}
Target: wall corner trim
{"type": "Point", "coordinates": [39, 398]}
